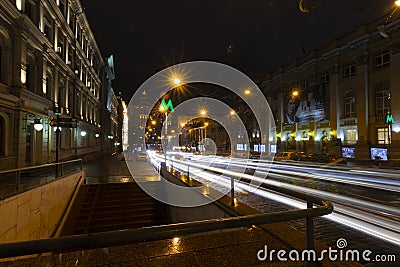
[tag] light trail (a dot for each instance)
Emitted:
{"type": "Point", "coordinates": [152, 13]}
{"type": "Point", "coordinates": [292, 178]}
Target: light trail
{"type": "Point", "coordinates": [363, 220]}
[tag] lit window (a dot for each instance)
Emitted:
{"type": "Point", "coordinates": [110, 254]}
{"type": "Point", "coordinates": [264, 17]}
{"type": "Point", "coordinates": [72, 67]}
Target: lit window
{"type": "Point", "coordinates": [382, 135]}
{"type": "Point", "coordinates": [351, 137]}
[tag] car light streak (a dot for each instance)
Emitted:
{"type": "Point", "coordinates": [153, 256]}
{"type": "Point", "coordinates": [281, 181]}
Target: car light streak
{"type": "Point", "coordinates": [360, 219]}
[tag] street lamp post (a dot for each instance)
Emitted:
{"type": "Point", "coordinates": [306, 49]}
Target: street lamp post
{"type": "Point", "coordinates": [162, 109]}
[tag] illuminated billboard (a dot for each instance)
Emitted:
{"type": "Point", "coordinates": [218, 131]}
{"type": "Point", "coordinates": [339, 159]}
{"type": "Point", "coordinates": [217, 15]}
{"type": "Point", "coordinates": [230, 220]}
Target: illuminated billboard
{"type": "Point", "coordinates": [310, 104]}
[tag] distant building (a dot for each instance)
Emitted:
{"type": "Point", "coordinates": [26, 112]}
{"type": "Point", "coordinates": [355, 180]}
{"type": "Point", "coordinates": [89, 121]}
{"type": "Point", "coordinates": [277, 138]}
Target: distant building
{"type": "Point", "coordinates": [340, 95]}
{"type": "Point", "coordinates": [111, 112]}
{"type": "Point", "coordinates": [139, 119]}
{"type": "Point", "coordinates": [125, 126]}
{"type": "Point", "coordinates": [50, 63]}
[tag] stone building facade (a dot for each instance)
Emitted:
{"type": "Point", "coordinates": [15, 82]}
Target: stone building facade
{"type": "Point", "coordinates": [339, 97]}
{"type": "Point", "coordinates": [50, 64]}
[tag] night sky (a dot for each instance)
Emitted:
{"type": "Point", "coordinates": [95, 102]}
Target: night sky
{"type": "Point", "coordinates": [254, 36]}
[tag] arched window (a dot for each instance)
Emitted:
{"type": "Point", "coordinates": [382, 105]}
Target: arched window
{"type": "Point", "coordinates": [2, 137]}
{"type": "Point", "coordinates": [350, 104]}
{"type": "Point", "coordinates": [382, 98]}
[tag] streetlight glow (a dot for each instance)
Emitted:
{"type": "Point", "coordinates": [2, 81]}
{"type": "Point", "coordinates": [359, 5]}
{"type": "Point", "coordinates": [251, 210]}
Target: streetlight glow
{"type": "Point", "coordinates": [397, 3]}
{"type": "Point", "coordinates": [247, 92]}
{"type": "Point", "coordinates": [38, 125]}
{"type": "Point", "coordinates": [295, 93]}
{"type": "Point", "coordinates": [232, 112]}
{"type": "Point", "coordinates": [203, 112]}
{"type": "Point", "coordinates": [177, 81]}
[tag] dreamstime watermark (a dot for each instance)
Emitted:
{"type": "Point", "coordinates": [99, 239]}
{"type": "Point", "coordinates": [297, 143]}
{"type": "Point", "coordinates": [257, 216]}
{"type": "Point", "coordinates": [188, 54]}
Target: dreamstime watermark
{"type": "Point", "coordinates": [331, 254]}
{"type": "Point", "coordinates": [150, 96]}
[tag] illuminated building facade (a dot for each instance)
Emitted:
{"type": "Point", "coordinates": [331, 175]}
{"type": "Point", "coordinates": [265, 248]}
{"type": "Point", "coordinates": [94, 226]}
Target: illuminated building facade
{"type": "Point", "coordinates": [111, 113]}
{"type": "Point", "coordinates": [340, 96]}
{"type": "Point", "coordinates": [50, 64]}
{"type": "Point", "coordinates": [125, 127]}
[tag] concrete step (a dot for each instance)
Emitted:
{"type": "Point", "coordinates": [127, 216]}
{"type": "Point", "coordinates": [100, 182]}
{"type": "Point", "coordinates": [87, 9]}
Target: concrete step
{"type": "Point", "coordinates": [113, 206]}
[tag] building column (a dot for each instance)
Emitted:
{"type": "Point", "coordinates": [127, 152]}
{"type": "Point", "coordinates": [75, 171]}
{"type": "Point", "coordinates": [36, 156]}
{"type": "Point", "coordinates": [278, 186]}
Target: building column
{"type": "Point", "coordinates": [41, 23]}
{"type": "Point", "coordinates": [43, 86]}
{"type": "Point", "coordinates": [66, 93]}
{"type": "Point", "coordinates": [395, 99]}
{"type": "Point", "coordinates": [334, 92]}
{"type": "Point", "coordinates": [55, 92]}
{"type": "Point", "coordinates": [363, 131]}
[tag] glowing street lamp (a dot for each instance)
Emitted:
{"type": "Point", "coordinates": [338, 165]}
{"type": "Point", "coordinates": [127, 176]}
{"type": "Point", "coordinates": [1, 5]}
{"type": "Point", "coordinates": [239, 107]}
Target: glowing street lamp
{"type": "Point", "coordinates": [203, 112]}
{"type": "Point", "coordinates": [397, 3]}
{"type": "Point", "coordinates": [177, 81]}
{"type": "Point", "coordinates": [247, 92]}
{"type": "Point", "coordinates": [38, 125]}
{"type": "Point", "coordinates": [295, 93]}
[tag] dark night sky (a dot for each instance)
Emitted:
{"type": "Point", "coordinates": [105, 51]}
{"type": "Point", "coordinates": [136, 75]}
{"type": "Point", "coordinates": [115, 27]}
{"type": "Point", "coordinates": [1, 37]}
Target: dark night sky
{"type": "Point", "coordinates": [147, 36]}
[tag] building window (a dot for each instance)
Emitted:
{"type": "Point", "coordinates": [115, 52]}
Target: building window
{"type": "Point", "coordinates": [325, 78]}
{"type": "Point", "coordinates": [382, 136]}
{"type": "Point", "coordinates": [29, 78]}
{"type": "Point", "coordinates": [61, 6]}
{"type": "Point", "coordinates": [350, 104]}
{"type": "Point", "coordinates": [382, 98]}
{"type": "Point", "coordinates": [48, 88]}
{"type": "Point", "coordinates": [60, 46]}
{"type": "Point", "coordinates": [351, 136]}
{"type": "Point", "coordinates": [29, 9]}
{"type": "Point", "coordinates": [70, 98]}
{"type": "Point", "coordinates": [349, 70]}
{"type": "Point", "coordinates": [305, 84]}
{"type": "Point", "coordinates": [382, 59]}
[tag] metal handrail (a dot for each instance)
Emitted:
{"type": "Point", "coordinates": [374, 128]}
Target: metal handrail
{"type": "Point", "coordinates": [58, 170]}
{"type": "Point", "coordinates": [128, 236]}
{"type": "Point", "coordinates": [41, 166]}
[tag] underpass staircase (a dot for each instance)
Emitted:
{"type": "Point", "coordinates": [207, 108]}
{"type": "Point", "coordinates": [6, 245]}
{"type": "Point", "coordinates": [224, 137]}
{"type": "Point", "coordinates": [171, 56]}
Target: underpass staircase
{"type": "Point", "coordinates": [113, 206]}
